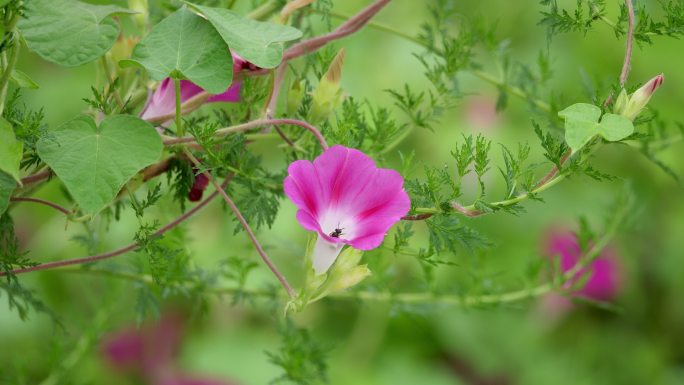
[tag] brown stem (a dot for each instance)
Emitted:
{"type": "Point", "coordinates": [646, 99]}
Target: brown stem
{"type": "Point", "coordinates": [42, 202]}
{"type": "Point", "coordinates": [285, 138]}
{"type": "Point", "coordinates": [352, 25]}
{"type": "Point", "coordinates": [277, 85]}
{"type": "Point", "coordinates": [417, 217]}
{"type": "Point", "coordinates": [119, 251]}
{"type": "Point", "coordinates": [255, 124]}
{"type": "Point", "coordinates": [248, 229]}
{"type": "Point", "coordinates": [157, 169]}
{"type": "Point", "coordinates": [630, 41]}
{"type": "Point", "coordinates": [37, 177]}
{"type": "Point", "coordinates": [554, 171]}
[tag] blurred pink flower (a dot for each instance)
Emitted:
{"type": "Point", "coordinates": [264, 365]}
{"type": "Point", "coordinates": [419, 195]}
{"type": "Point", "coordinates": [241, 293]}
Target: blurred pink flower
{"type": "Point", "coordinates": [163, 100]}
{"type": "Point", "coordinates": [150, 353]}
{"type": "Point", "coordinates": [344, 197]}
{"type": "Point", "coordinates": [480, 112]}
{"type": "Point", "coordinates": [603, 282]}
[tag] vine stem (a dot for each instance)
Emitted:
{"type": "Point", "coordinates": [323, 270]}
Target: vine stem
{"type": "Point", "coordinates": [630, 41]}
{"type": "Point", "coordinates": [254, 124]}
{"type": "Point", "coordinates": [422, 298]}
{"type": "Point", "coordinates": [42, 202]}
{"type": "Point", "coordinates": [347, 28]}
{"type": "Point", "coordinates": [108, 76]}
{"type": "Point", "coordinates": [7, 74]}
{"type": "Point", "coordinates": [283, 281]}
{"type": "Point", "coordinates": [37, 177]}
{"type": "Point", "coordinates": [179, 112]}
{"type": "Point", "coordinates": [119, 251]}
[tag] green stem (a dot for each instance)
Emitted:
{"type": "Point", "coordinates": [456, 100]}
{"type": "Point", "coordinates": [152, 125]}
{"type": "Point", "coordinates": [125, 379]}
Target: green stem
{"type": "Point", "coordinates": [179, 118]}
{"type": "Point", "coordinates": [512, 89]}
{"type": "Point", "coordinates": [658, 145]}
{"type": "Point", "coordinates": [110, 81]}
{"type": "Point", "coordinates": [480, 74]}
{"type": "Point", "coordinates": [503, 203]}
{"type": "Point", "coordinates": [7, 74]}
{"type": "Point", "coordinates": [263, 10]}
{"type": "Point", "coordinates": [417, 298]}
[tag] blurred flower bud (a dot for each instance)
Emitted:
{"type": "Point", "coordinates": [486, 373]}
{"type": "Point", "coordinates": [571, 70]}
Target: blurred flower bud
{"type": "Point", "coordinates": [123, 47]}
{"type": "Point", "coordinates": [621, 101]}
{"type": "Point", "coordinates": [599, 281]}
{"type": "Point", "coordinates": [328, 94]}
{"type": "Point", "coordinates": [350, 278]}
{"type": "Point", "coordinates": [344, 273]}
{"type": "Point", "coordinates": [294, 97]}
{"type": "Point", "coordinates": [140, 6]}
{"type": "Point", "coordinates": [631, 106]}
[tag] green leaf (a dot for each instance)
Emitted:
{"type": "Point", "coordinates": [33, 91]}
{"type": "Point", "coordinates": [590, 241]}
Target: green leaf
{"type": "Point", "coordinates": [95, 162]}
{"type": "Point", "coordinates": [11, 150]}
{"type": "Point", "coordinates": [582, 124]}
{"type": "Point", "coordinates": [186, 45]}
{"type": "Point", "coordinates": [69, 32]}
{"type": "Point", "coordinates": [23, 80]}
{"type": "Point", "coordinates": [7, 185]}
{"type": "Point", "coordinates": [257, 42]}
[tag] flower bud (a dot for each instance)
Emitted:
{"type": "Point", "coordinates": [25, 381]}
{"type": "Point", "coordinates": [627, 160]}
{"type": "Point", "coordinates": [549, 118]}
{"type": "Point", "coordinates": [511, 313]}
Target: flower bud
{"type": "Point", "coordinates": [295, 95]}
{"type": "Point", "coordinates": [350, 278]}
{"type": "Point", "coordinates": [123, 47]}
{"type": "Point", "coordinates": [142, 9]}
{"type": "Point", "coordinates": [328, 94]}
{"type": "Point", "coordinates": [631, 106]}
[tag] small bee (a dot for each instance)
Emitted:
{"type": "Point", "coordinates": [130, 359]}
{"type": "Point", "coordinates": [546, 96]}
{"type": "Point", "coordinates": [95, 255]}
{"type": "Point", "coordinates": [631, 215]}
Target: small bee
{"type": "Point", "coordinates": [337, 233]}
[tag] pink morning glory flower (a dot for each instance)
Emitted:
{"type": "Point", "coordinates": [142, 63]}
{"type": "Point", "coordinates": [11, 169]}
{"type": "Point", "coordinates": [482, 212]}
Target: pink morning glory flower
{"type": "Point", "coordinates": [163, 100]}
{"type": "Point", "coordinates": [603, 283]}
{"type": "Point", "coordinates": [150, 353]}
{"type": "Point", "coordinates": [346, 199]}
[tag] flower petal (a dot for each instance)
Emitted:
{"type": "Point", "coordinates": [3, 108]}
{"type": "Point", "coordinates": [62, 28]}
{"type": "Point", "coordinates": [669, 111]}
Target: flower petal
{"type": "Point", "coordinates": [343, 174]}
{"type": "Point", "coordinates": [232, 94]}
{"type": "Point", "coordinates": [303, 188]}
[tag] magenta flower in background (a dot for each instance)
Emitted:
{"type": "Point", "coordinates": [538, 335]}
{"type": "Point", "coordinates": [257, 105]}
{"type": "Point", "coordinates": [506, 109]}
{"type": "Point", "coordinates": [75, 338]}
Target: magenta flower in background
{"type": "Point", "coordinates": [150, 353]}
{"type": "Point", "coordinates": [163, 100]}
{"type": "Point", "coordinates": [603, 283]}
{"type": "Point", "coordinates": [346, 199]}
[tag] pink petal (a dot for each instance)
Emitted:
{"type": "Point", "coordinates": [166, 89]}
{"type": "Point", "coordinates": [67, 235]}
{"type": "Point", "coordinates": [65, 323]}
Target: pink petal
{"type": "Point", "coordinates": [343, 174]}
{"type": "Point", "coordinates": [232, 94]}
{"type": "Point", "coordinates": [303, 188]}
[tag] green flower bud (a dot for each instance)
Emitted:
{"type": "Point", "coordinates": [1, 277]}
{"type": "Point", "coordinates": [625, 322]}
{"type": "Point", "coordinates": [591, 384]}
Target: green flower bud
{"type": "Point", "coordinates": [350, 278]}
{"type": "Point", "coordinates": [142, 9]}
{"type": "Point", "coordinates": [294, 97]}
{"type": "Point", "coordinates": [328, 94]}
{"type": "Point", "coordinates": [631, 106]}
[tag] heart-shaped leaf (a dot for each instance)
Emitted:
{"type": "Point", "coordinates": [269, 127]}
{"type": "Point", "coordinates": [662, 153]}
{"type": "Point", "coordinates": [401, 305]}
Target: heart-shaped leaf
{"type": "Point", "coordinates": [95, 162]}
{"type": "Point", "coordinates": [257, 42]}
{"type": "Point", "coordinates": [7, 185]}
{"type": "Point", "coordinates": [11, 150]}
{"type": "Point", "coordinates": [186, 45]}
{"type": "Point", "coordinates": [69, 32]}
{"type": "Point", "coordinates": [582, 124]}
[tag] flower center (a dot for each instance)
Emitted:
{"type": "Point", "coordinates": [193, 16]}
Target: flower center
{"type": "Point", "coordinates": [337, 233]}
{"type": "Point", "coordinates": [337, 223]}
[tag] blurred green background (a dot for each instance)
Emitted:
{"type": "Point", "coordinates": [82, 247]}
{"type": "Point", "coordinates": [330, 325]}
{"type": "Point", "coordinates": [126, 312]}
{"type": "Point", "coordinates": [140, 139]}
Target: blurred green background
{"type": "Point", "coordinates": [377, 343]}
